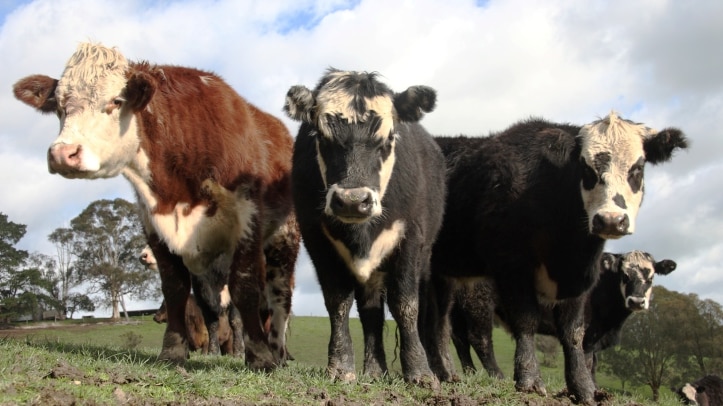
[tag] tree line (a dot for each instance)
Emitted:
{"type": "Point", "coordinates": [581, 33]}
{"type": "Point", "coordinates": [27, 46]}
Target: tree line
{"type": "Point", "coordinates": [95, 265]}
{"type": "Point", "coordinates": [678, 340]}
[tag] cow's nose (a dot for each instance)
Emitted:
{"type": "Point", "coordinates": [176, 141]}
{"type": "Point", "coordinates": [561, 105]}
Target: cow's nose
{"type": "Point", "coordinates": [143, 258]}
{"type": "Point", "coordinates": [610, 224]}
{"type": "Point", "coordinates": [355, 202]}
{"type": "Point", "coordinates": [64, 157]}
{"type": "Point", "coordinates": [635, 303]}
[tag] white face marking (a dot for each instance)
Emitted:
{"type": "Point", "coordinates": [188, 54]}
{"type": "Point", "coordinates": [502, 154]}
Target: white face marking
{"type": "Point", "coordinates": [338, 103]}
{"type": "Point", "coordinates": [363, 267]}
{"type": "Point", "coordinates": [376, 205]}
{"type": "Point", "coordinates": [689, 391]}
{"type": "Point", "coordinates": [148, 259]}
{"type": "Point", "coordinates": [638, 267]}
{"type": "Point", "coordinates": [546, 287]}
{"type": "Point", "coordinates": [322, 165]}
{"type": "Point", "coordinates": [106, 140]}
{"type": "Point", "coordinates": [622, 141]}
{"type": "Point", "coordinates": [386, 174]}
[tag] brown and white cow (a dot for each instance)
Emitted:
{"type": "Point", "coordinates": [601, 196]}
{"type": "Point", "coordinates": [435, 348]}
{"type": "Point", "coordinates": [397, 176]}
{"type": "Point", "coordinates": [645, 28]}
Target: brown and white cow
{"type": "Point", "coordinates": [211, 173]}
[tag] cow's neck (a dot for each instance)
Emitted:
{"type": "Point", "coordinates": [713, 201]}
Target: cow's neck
{"type": "Point", "coordinates": [138, 174]}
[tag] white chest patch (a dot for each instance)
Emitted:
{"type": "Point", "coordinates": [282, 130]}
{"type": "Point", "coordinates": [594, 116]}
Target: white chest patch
{"type": "Point", "coordinates": [202, 241]}
{"type": "Point", "coordinates": [362, 267]}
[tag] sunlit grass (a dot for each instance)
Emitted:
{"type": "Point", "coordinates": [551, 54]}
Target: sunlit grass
{"type": "Point", "coordinates": [93, 365]}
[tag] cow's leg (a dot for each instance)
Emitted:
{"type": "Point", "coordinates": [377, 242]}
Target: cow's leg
{"type": "Point", "coordinates": [208, 300]}
{"type": "Point", "coordinates": [571, 331]}
{"type": "Point", "coordinates": [246, 285]}
{"type": "Point", "coordinates": [370, 305]}
{"type": "Point", "coordinates": [234, 320]}
{"type": "Point", "coordinates": [591, 362]}
{"type": "Point", "coordinates": [403, 287]}
{"type": "Point", "coordinates": [337, 287]}
{"type": "Point", "coordinates": [479, 319]}
{"type": "Point", "coordinates": [281, 254]}
{"type": "Point", "coordinates": [519, 302]}
{"type": "Point", "coordinates": [176, 285]}
{"type": "Point", "coordinates": [338, 298]}
{"type": "Point", "coordinates": [436, 329]}
{"type": "Point", "coordinates": [460, 338]}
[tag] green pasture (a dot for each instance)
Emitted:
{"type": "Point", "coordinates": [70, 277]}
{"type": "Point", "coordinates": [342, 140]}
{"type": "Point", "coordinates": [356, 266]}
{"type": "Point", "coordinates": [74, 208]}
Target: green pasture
{"type": "Point", "coordinates": [115, 363]}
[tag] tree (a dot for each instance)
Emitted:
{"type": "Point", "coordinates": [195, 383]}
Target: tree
{"type": "Point", "coordinates": [616, 361]}
{"type": "Point", "coordinates": [11, 260]}
{"type": "Point", "coordinates": [65, 279]}
{"type": "Point", "coordinates": [107, 238]}
{"type": "Point", "coordinates": [704, 338]}
{"type": "Point", "coordinates": [652, 340]}
{"type": "Point", "coordinates": [76, 301]}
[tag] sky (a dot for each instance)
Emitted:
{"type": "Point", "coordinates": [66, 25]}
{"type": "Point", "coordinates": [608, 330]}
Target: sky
{"type": "Point", "coordinates": [492, 63]}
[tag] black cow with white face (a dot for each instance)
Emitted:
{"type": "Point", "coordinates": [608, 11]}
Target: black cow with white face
{"type": "Point", "coordinates": [368, 188]}
{"type": "Point", "coordinates": [624, 287]}
{"type": "Point", "coordinates": [532, 207]}
{"type": "Point", "coordinates": [706, 391]}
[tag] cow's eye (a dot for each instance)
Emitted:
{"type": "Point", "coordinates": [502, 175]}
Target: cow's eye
{"type": "Point", "coordinates": [118, 102]}
{"type": "Point", "coordinates": [635, 175]}
{"type": "Point", "coordinates": [589, 177]}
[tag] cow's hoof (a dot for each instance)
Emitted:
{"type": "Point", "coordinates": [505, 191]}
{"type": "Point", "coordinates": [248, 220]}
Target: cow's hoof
{"type": "Point", "coordinates": [586, 398]}
{"type": "Point", "coordinates": [428, 381]}
{"type": "Point", "coordinates": [374, 370]}
{"type": "Point", "coordinates": [446, 376]}
{"type": "Point", "coordinates": [532, 386]}
{"type": "Point", "coordinates": [262, 366]}
{"type": "Point", "coordinates": [341, 375]}
{"type": "Point", "coordinates": [174, 356]}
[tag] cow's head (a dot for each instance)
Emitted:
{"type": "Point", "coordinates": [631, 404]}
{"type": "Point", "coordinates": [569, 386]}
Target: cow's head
{"type": "Point", "coordinates": [689, 394]}
{"type": "Point", "coordinates": [355, 120]}
{"type": "Point", "coordinates": [148, 259]}
{"type": "Point", "coordinates": [94, 100]}
{"type": "Point", "coordinates": [613, 156]}
{"type": "Point", "coordinates": [635, 271]}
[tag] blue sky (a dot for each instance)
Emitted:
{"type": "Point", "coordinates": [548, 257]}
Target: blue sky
{"type": "Point", "coordinates": [491, 62]}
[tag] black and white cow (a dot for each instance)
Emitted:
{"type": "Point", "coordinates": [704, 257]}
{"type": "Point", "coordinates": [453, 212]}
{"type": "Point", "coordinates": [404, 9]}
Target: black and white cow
{"type": "Point", "coordinates": [706, 391]}
{"type": "Point", "coordinates": [368, 188]}
{"type": "Point", "coordinates": [532, 207]}
{"type": "Point", "coordinates": [624, 287]}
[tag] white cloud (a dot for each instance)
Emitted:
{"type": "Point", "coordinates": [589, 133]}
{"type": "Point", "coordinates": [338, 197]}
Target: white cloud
{"type": "Point", "coordinates": [655, 61]}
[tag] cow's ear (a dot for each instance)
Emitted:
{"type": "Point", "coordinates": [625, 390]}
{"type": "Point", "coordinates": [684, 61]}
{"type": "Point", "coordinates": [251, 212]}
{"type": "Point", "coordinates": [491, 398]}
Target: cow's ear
{"type": "Point", "coordinates": [659, 147]}
{"type": "Point", "coordinates": [412, 103]}
{"type": "Point", "coordinates": [607, 262]}
{"type": "Point", "coordinates": [299, 104]}
{"type": "Point", "coordinates": [37, 91]}
{"type": "Point", "coordinates": [139, 91]}
{"type": "Point", "coordinates": [665, 266]}
{"type": "Point", "coordinates": [557, 145]}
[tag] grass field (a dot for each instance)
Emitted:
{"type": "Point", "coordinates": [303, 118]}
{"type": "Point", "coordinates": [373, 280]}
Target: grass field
{"type": "Point", "coordinates": [93, 363]}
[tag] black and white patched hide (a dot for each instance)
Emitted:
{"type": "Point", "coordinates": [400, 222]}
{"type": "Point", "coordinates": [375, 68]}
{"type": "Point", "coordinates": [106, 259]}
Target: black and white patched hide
{"type": "Point", "coordinates": [353, 118]}
{"type": "Point", "coordinates": [636, 270]}
{"type": "Point", "coordinates": [368, 183]}
{"type": "Point", "coordinates": [613, 156]}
